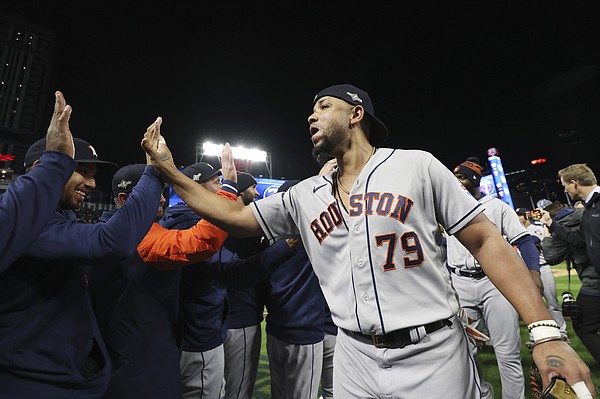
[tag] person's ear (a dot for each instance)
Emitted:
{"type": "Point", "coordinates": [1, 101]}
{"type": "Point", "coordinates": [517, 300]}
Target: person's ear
{"type": "Point", "coordinates": [122, 197]}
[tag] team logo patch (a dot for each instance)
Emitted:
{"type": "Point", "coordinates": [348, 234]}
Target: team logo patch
{"type": "Point", "coordinates": [354, 97]}
{"type": "Point", "coordinates": [196, 177]}
{"type": "Point", "coordinates": [124, 184]}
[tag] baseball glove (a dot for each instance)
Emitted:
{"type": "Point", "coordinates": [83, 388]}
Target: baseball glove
{"type": "Point", "coordinates": [558, 388]}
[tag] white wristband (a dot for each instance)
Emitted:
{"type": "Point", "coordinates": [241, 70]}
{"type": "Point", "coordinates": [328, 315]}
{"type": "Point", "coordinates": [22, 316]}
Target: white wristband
{"type": "Point", "coordinates": [542, 323]}
{"type": "Point", "coordinates": [543, 332]}
{"type": "Point", "coordinates": [581, 390]}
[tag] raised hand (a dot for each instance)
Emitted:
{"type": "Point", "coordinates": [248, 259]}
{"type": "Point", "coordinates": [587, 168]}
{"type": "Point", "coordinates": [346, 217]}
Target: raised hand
{"type": "Point", "coordinates": [227, 164]}
{"type": "Point", "coordinates": [328, 167]}
{"type": "Point", "coordinates": [59, 137]}
{"type": "Point", "coordinates": [157, 152]}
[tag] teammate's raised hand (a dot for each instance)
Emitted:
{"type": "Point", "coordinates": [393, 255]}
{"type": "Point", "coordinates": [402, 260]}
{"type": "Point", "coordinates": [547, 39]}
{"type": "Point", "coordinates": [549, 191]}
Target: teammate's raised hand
{"type": "Point", "coordinates": [59, 137]}
{"type": "Point", "coordinates": [228, 169]}
{"type": "Point", "coordinates": [328, 167]}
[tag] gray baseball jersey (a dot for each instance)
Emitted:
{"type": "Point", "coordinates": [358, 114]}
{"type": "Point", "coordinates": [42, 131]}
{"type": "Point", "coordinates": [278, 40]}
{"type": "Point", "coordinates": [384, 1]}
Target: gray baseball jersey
{"type": "Point", "coordinates": [381, 265]}
{"type": "Point", "coordinates": [505, 219]}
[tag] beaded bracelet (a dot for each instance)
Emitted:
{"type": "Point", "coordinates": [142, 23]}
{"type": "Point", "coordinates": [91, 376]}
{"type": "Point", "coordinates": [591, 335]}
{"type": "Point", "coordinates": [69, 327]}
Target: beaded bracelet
{"type": "Point", "coordinates": [547, 339]}
{"type": "Point", "coordinates": [542, 323]}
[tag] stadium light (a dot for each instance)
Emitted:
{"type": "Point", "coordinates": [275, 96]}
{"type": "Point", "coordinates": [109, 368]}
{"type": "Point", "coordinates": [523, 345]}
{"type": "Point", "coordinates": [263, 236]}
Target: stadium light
{"type": "Point", "coordinates": [243, 157]}
{"type": "Point", "coordinates": [253, 155]}
{"type": "Point", "coordinates": [538, 161]}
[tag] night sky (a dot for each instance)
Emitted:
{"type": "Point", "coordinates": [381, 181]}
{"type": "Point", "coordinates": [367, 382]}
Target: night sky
{"type": "Point", "coordinates": [452, 80]}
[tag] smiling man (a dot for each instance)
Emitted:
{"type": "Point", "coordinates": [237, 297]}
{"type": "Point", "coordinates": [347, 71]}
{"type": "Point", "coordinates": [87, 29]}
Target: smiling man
{"type": "Point", "coordinates": [50, 344]}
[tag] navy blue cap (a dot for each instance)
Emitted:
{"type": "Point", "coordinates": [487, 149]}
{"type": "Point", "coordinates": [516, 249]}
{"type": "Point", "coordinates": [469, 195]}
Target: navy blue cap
{"type": "Point", "coordinates": [84, 153]}
{"type": "Point", "coordinates": [200, 171]}
{"type": "Point", "coordinates": [245, 181]}
{"type": "Point", "coordinates": [127, 177]}
{"type": "Point", "coordinates": [355, 96]}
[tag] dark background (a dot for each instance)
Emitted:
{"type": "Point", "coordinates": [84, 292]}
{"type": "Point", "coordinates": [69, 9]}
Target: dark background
{"type": "Point", "coordinates": [452, 78]}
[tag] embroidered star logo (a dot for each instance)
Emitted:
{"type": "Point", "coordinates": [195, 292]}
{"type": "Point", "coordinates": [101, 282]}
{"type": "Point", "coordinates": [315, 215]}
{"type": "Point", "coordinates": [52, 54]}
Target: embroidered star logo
{"type": "Point", "coordinates": [354, 97]}
{"type": "Point", "coordinates": [124, 183]}
{"type": "Point", "coordinates": [196, 177]}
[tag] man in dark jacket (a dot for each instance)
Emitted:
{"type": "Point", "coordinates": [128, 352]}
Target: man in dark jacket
{"type": "Point", "coordinates": [136, 300]}
{"type": "Point", "coordinates": [30, 200]}
{"type": "Point", "coordinates": [580, 183]}
{"type": "Point", "coordinates": [50, 345]}
{"type": "Point", "coordinates": [557, 250]}
{"type": "Point", "coordinates": [203, 295]}
{"type": "Point", "coordinates": [295, 326]}
{"type": "Point", "coordinates": [242, 344]}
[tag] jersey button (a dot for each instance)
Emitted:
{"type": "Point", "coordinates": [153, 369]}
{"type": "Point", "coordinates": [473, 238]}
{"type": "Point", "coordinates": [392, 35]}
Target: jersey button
{"type": "Point", "coordinates": [366, 297]}
{"type": "Point", "coordinates": [360, 262]}
{"type": "Point", "coordinates": [356, 228]}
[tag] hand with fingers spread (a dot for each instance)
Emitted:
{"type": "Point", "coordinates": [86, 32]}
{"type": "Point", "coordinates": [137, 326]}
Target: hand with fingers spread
{"type": "Point", "coordinates": [59, 137]}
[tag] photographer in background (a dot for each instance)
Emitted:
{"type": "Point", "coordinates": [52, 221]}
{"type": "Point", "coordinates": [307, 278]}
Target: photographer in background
{"type": "Point", "coordinates": [557, 250]}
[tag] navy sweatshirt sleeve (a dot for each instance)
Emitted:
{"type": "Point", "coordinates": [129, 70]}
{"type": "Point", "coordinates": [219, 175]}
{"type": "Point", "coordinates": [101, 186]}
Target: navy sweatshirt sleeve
{"type": "Point", "coordinates": [240, 274]}
{"type": "Point", "coordinates": [28, 203]}
{"type": "Point", "coordinates": [117, 238]}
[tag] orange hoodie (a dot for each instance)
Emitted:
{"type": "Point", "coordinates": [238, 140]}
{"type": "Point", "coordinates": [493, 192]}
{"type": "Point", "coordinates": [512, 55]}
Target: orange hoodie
{"type": "Point", "coordinates": [166, 249]}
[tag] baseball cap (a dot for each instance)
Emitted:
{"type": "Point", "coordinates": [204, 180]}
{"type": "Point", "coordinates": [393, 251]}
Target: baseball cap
{"type": "Point", "coordinates": [245, 181]}
{"type": "Point", "coordinates": [470, 169]}
{"type": "Point", "coordinates": [355, 96]}
{"type": "Point", "coordinates": [200, 171]}
{"type": "Point", "coordinates": [127, 177]}
{"type": "Point", "coordinates": [84, 153]}
{"type": "Point", "coordinates": [285, 186]}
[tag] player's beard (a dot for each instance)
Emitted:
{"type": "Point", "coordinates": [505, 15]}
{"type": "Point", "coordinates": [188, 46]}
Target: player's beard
{"type": "Point", "coordinates": [331, 138]}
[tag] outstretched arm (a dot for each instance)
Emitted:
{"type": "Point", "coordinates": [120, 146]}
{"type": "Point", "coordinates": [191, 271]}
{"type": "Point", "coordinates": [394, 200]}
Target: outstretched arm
{"type": "Point", "coordinates": [506, 270]}
{"type": "Point", "coordinates": [231, 216]}
{"type": "Point", "coordinates": [31, 199]}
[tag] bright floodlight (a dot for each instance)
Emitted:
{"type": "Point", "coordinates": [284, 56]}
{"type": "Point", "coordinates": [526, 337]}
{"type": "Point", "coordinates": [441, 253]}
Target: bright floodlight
{"type": "Point", "coordinates": [238, 152]}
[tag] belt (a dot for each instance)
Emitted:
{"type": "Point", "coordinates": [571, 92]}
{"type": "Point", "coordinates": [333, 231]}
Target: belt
{"type": "Point", "coordinates": [476, 274]}
{"type": "Point", "coordinates": [400, 338]}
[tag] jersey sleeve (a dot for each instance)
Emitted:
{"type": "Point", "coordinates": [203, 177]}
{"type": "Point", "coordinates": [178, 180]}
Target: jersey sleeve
{"type": "Point", "coordinates": [512, 228]}
{"type": "Point", "coordinates": [280, 210]}
{"type": "Point", "coordinates": [168, 249]}
{"type": "Point", "coordinates": [454, 206]}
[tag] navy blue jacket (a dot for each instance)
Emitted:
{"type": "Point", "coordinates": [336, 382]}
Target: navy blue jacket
{"type": "Point", "coordinates": [29, 202]}
{"type": "Point", "coordinates": [136, 308]}
{"type": "Point", "coordinates": [50, 343]}
{"type": "Point", "coordinates": [246, 307]}
{"type": "Point", "coordinates": [296, 305]}
{"type": "Point", "coordinates": [203, 296]}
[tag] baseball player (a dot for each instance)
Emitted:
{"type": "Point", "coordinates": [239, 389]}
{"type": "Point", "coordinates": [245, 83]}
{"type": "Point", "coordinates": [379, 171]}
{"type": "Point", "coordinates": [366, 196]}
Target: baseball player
{"type": "Point", "coordinates": [372, 232]}
{"type": "Point", "coordinates": [550, 295]}
{"type": "Point", "coordinates": [478, 296]}
{"type": "Point", "coordinates": [243, 340]}
{"type": "Point", "coordinates": [294, 326]}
